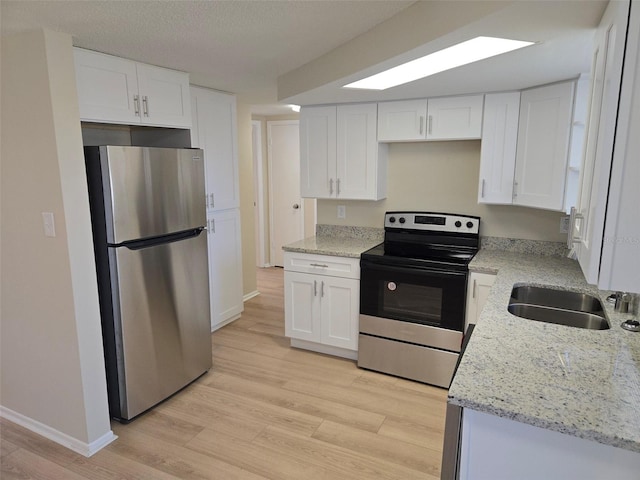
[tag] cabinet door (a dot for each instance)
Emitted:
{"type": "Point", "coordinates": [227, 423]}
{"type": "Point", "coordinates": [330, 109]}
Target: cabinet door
{"type": "Point", "coordinates": [605, 87]}
{"type": "Point", "coordinates": [164, 96]}
{"type": "Point", "coordinates": [402, 121]}
{"type": "Point", "coordinates": [302, 306]}
{"type": "Point", "coordinates": [340, 303]}
{"type": "Point", "coordinates": [543, 146]}
{"type": "Point", "coordinates": [498, 149]}
{"type": "Point", "coordinates": [215, 131]}
{"type": "Point", "coordinates": [225, 267]}
{"type": "Point", "coordinates": [477, 293]}
{"type": "Point", "coordinates": [454, 118]}
{"type": "Point", "coordinates": [620, 265]}
{"type": "Point", "coordinates": [318, 152]}
{"type": "Point", "coordinates": [357, 149]}
{"type": "Point", "coordinates": [107, 88]}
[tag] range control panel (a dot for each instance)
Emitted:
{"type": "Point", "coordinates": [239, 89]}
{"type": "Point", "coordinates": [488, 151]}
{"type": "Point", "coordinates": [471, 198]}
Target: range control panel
{"type": "Point", "coordinates": [432, 222]}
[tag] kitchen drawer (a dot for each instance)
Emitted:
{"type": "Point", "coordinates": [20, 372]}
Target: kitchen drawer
{"type": "Point", "coordinates": [322, 264]}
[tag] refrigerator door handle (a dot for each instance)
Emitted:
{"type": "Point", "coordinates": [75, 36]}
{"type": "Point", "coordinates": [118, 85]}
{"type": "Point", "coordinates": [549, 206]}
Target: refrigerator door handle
{"type": "Point", "coordinates": [155, 241]}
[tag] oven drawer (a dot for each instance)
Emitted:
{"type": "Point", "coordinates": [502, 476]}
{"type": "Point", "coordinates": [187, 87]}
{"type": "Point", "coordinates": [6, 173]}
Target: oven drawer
{"type": "Point", "coordinates": [405, 360]}
{"type": "Point", "coordinates": [411, 332]}
{"type": "Point", "coordinates": [322, 264]}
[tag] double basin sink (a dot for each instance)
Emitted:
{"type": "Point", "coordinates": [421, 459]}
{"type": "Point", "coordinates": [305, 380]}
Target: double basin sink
{"type": "Point", "coordinates": [561, 307]}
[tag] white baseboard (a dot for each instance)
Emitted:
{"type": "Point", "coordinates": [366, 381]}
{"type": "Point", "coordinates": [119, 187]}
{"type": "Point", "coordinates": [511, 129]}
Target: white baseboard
{"type": "Point", "coordinates": [326, 349]}
{"type": "Point", "coordinates": [218, 326]}
{"type": "Point", "coordinates": [250, 295]}
{"type": "Point", "coordinates": [78, 446]}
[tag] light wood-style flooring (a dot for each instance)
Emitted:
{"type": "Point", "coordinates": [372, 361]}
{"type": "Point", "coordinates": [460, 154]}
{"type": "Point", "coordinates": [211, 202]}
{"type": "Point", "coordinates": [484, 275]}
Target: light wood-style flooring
{"type": "Point", "coordinates": [264, 410]}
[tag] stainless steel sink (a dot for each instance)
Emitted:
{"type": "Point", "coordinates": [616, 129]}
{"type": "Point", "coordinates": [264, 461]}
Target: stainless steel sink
{"type": "Point", "coordinates": [561, 307]}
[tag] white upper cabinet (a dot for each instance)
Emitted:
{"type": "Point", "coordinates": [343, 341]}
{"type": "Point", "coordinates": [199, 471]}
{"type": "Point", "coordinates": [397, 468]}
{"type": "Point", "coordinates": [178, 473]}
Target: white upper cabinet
{"type": "Point", "coordinates": [117, 90]}
{"type": "Point", "coordinates": [543, 146]}
{"type": "Point", "coordinates": [318, 151]}
{"type": "Point", "coordinates": [449, 118]}
{"type": "Point", "coordinates": [402, 121]}
{"type": "Point", "coordinates": [214, 130]}
{"type": "Point", "coordinates": [606, 231]}
{"type": "Point", "coordinates": [454, 118]}
{"type": "Point", "coordinates": [498, 148]}
{"type": "Point", "coordinates": [339, 153]}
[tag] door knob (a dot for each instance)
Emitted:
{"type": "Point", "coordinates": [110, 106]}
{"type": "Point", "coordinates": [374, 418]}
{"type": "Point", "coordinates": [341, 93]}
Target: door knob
{"type": "Point", "coordinates": [296, 206]}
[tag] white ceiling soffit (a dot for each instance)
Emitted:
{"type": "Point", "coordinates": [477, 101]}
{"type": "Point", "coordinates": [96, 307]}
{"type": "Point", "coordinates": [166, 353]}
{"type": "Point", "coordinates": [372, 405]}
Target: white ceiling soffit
{"type": "Point", "coordinates": [234, 46]}
{"type": "Point", "coordinates": [564, 30]}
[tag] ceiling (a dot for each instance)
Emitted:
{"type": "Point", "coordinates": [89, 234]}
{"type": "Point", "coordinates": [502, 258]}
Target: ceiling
{"type": "Point", "coordinates": [234, 46]}
{"type": "Point", "coordinates": [245, 46]}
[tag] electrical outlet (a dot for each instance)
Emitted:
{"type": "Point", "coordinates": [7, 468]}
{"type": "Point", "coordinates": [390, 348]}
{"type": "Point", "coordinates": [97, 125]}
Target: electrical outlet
{"type": "Point", "coordinates": [342, 211]}
{"type": "Point", "coordinates": [49, 224]}
{"type": "Point", "coordinates": [564, 224]}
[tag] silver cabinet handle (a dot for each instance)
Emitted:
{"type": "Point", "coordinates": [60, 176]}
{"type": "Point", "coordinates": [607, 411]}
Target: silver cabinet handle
{"type": "Point", "coordinates": [319, 265]}
{"type": "Point", "coordinates": [515, 189]}
{"type": "Point", "coordinates": [421, 124]}
{"type": "Point", "coordinates": [430, 124]}
{"type": "Point", "coordinates": [213, 200]}
{"type": "Point", "coordinates": [145, 105]}
{"type": "Point", "coordinates": [331, 186]}
{"type": "Point", "coordinates": [315, 288]}
{"type": "Point", "coordinates": [322, 289]}
{"type": "Point", "coordinates": [213, 225]}
{"type": "Point", "coordinates": [482, 188]}
{"type": "Point", "coordinates": [136, 105]}
{"type": "Point", "coordinates": [473, 295]}
{"type": "Point", "coordinates": [337, 187]}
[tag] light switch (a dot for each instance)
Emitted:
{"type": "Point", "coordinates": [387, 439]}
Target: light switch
{"type": "Point", "coordinates": [49, 224]}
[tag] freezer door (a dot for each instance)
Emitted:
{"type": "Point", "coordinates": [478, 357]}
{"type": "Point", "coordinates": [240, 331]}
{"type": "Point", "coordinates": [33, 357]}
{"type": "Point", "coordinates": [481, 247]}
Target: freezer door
{"type": "Point", "coordinates": [162, 320]}
{"type": "Point", "coordinates": [151, 191]}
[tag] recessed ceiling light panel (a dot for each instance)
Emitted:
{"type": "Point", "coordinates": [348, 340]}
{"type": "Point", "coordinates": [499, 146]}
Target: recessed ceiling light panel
{"type": "Point", "coordinates": [463, 53]}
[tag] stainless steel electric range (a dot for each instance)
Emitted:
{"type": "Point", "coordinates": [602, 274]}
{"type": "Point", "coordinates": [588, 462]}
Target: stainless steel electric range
{"type": "Point", "coordinates": [413, 294]}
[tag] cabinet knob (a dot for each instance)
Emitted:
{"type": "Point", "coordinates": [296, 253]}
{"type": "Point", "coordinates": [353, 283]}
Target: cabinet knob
{"type": "Point", "coordinates": [296, 206]}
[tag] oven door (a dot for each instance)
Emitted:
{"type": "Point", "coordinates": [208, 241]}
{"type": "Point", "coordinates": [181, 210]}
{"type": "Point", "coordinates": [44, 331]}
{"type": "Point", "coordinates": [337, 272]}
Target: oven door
{"type": "Point", "coordinates": [428, 296]}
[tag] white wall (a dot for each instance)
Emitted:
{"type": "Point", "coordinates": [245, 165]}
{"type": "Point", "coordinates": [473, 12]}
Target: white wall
{"type": "Point", "coordinates": [51, 349]}
{"type": "Point", "coordinates": [443, 177]}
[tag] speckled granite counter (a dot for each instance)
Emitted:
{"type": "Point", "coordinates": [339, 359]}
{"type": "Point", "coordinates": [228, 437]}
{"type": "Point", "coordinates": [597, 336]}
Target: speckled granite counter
{"type": "Point", "coordinates": [339, 241]}
{"type": "Point", "coordinates": [584, 383]}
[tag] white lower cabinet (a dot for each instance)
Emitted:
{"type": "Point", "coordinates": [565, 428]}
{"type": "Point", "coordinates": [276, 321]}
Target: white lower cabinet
{"type": "Point", "coordinates": [500, 448]}
{"type": "Point", "coordinates": [477, 293]}
{"type": "Point", "coordinates": [322, 301]}
{"type": "Point", "coordinates": [225, 267]}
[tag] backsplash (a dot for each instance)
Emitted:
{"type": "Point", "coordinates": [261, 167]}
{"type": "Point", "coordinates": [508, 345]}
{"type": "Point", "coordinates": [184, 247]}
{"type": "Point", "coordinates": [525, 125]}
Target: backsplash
{"type": "Point", "coordinates": [347, 231]}
{"type": "Point", "coordinates": [519, 245]}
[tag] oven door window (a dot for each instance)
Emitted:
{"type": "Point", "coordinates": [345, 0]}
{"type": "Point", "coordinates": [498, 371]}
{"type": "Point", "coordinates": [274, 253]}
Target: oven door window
{"type": "Point", "coordinates": [426, 296]}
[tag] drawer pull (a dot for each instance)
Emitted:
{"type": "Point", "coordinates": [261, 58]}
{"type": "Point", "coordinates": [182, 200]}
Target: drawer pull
{"type": "Point", "coordinates": [319, 265]}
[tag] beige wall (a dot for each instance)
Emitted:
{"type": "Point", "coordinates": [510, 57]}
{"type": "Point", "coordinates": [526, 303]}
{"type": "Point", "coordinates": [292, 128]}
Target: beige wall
{"type": "Point", "coordinates": [245, 160]}
{"type": "Point", "coordinates": [443, 177]}
{"type": "Point", "coordinates": [51, 347]}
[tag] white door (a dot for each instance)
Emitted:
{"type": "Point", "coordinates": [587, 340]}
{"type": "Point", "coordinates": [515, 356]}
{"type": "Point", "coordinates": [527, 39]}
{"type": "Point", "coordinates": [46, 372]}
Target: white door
{"type": "Point", "coordinates": [340, 301]}
{"type": "Point", "coordinates": [302, 306]}
{"type": "Point", "coordinates": [286, 207]}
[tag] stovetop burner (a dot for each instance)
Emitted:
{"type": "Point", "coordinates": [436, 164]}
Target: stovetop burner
{"type": "Point", "coordinates": [427, 239]}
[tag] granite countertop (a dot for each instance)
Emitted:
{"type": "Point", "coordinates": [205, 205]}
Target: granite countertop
{"type": "Point", "coordinates": [340, 241]}
{"type": "Point", "coordinates": [585, 383]}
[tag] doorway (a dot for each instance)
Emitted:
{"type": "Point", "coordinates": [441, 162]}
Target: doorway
{"type": "Point", "coordinates": [286, 212]}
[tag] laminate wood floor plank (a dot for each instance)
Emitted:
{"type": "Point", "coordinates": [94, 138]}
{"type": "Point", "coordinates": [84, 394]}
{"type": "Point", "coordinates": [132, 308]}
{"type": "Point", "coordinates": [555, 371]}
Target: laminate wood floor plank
{"type": "Point", "coordinates": [25, 465]}
{"type": "Point", "coordinates": [108, 465]}
{"type": "Point", "coordinates": [267, 462]}
{"type": "Point", "coordinates": [241, 407]}
{"type": "Point", "coordinates": [349, 463]}
{"type": "Point", "coordinates": [182, 462]}
{"type": "Point", "coordinates": [265, 410]}
{"type": "Point", "coordinates": [301, 402]}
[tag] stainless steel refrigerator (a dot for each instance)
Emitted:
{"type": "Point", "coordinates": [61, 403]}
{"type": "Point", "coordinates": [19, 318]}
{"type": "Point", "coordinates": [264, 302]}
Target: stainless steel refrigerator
{"type": "Point", "coordinates": [148, 219]}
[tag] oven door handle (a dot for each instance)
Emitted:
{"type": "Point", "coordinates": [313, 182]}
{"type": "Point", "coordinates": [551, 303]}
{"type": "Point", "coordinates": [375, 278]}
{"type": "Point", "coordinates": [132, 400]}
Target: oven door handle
{"type": "Point", "coordinates": [366, 264]}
